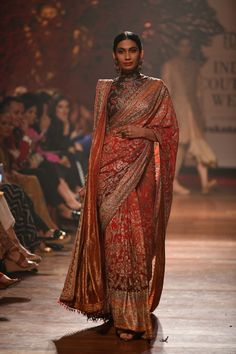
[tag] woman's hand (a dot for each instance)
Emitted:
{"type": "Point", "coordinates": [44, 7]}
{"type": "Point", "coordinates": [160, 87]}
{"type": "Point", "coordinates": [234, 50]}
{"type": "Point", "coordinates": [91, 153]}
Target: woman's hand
{"type": "Point", "coordinates": [15, 153]}
{"type": "Point", "coordinates": [71, 149]}
{"type": "Point", "coordinates": [82, 191]}
{"type": "Point", "coordinates": [66, 127]}
{"type": "Point", "coordinates": [65, 161]}
{"type": "Point", "coordinates": [132, 132]}
{"type": "Point", "coordinates": [78, 147]}
{"type": "Point", "coordinates": [35, 160]}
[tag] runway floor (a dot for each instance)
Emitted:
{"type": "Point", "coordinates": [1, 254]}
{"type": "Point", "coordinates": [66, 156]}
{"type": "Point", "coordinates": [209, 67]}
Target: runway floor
{"type": "Point", "coordinates": [197, 313]}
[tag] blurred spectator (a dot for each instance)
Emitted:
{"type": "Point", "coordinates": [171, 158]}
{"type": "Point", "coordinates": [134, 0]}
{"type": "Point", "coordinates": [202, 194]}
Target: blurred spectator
{"type": "Point", "coordinates": [81, 135]}
{"type": "Point", "coordinates": [44, 149]}
{"type": "Point", "coordinates": [20, 90]}
{"type": "Point", "coordinates": [58, 134]}
{"type": "Point", "coordinates": [181, 75]}
{"type": "Point", "coordinates": [58, 137]}
{"type": "Point", "coordinates": [44, 120]}
{"type": "Point", "coordinates": [25, 159]}
{"type": "Point", "coordinates": [15, 109]}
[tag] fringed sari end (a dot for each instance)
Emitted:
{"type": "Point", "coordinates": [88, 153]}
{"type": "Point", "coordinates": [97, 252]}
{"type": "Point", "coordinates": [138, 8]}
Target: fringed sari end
{"type": "Point", "coordinates": [93, 316]}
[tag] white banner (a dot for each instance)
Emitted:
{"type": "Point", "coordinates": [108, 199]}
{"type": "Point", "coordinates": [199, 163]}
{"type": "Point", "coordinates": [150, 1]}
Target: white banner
{"type": "Point", "coordinates": [219, 86]}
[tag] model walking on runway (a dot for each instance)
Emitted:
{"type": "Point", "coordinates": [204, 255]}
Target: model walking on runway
{"type": "Point", "coordinates": [117, 266]}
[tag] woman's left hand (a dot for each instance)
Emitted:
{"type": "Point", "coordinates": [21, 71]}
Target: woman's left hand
{"type": "Point", "coordinates": [65, 161]}
{"type": "Point", "coordinates": [132, 132]}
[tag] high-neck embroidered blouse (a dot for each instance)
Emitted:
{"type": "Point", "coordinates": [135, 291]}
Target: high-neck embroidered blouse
{"type": "Point", "coordinates": [122, 88]}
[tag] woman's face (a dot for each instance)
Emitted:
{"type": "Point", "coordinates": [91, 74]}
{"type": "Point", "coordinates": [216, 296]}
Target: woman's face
{"type": "Point", "coordinates": [5, 125]}
{"type": "Point", "coordinates": [16, 110]}
{"type": "Point", "coordinates": [31, 115]}
{"type": "Point", "coordinates": [127, 55]}
{"type": "Point", "coordinates": [62, 110]}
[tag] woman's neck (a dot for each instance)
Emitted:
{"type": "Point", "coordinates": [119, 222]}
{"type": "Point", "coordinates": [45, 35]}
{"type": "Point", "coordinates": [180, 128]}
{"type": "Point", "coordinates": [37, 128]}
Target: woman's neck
{"type": "Point", "coordinates": [130, 75]}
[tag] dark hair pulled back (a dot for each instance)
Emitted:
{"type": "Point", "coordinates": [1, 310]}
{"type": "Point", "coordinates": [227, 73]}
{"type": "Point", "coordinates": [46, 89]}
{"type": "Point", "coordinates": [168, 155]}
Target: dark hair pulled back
{"type": "Point", "coordinates": [127, 35]}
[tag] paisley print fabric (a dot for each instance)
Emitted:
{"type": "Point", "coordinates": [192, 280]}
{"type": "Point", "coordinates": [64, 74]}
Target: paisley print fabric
{"type": "Point", "coordinates": [117, 266]}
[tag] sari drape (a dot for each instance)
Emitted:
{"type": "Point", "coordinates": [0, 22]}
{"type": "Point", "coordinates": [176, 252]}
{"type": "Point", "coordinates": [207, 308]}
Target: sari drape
{"type": "Point", "coordinates": [126, 209]}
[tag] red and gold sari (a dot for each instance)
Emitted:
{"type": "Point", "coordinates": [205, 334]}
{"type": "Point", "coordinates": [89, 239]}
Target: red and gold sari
{"type": "Point", "coordinates": [118, 261]}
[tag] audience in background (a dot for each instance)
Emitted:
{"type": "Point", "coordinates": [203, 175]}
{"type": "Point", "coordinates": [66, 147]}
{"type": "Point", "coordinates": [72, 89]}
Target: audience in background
{"type": "Point", "coordinates": [44, 150]}
{"type": "Point", "coordinates": [28, 158]}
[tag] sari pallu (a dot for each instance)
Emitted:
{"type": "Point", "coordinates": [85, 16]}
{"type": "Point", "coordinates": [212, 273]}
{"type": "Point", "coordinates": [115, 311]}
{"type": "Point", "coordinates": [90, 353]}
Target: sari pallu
{"type": "Point", "coordinates": [120, 186]}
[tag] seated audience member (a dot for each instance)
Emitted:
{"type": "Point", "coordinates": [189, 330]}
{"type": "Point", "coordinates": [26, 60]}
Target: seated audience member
{"type": "Point", "coordinates": [11, 120]}
{"type": "Point", "coordinates": [58, 137]}
{"type": "Point", "coordinates": [21, 158]}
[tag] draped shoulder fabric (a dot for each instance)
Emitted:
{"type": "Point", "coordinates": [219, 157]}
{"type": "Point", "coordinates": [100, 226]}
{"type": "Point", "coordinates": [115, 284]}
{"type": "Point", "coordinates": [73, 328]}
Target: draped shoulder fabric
{"type": "Point", "coordinates": [84, 288]}
{"type": "Point", "coordinates": [118, 259]}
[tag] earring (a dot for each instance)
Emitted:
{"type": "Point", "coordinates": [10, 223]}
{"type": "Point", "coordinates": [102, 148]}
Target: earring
{"type": "Point", "coordinates": [140, 65]}
{"type": "Point", "coordinates": [117, 68]}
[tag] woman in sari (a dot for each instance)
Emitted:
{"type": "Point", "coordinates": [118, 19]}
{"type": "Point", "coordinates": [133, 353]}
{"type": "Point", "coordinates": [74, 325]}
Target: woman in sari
{"type": "Point", "coordinates": [117, 266]}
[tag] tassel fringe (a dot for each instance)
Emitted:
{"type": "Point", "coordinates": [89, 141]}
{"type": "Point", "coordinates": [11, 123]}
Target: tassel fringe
{"type": "Point", "coordinates": [96, 316]}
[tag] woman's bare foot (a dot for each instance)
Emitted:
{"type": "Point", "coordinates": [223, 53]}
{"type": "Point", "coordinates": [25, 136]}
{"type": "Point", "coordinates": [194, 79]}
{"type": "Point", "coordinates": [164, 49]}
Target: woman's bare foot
{"type": "Point", "coordinates": [30, 256]}
{"type": "Point", "coordinates": [206, 189]}
{"type": "Point", "coordinates": [46, 234]}
{"type": "Point", "coordinates": [178, 189]}
{"type": "Point", "coordinates": [64, 212]}
{"type": "Point", "coordinates": [43, 249]}
{"type": "Point", "coordinates": [73, 204]}
{"type": "Point", "coordinates": [17, 261]}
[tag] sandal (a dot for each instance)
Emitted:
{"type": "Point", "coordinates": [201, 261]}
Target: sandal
{"type": "Point", "coordinates": [12, 267]}
{"type": "Point", "coordinates": [34, 257]}
{"type": "Point", "coordinates": [19, 264]}
{"type": "Point", "coordinates": [58, 236]}
{"type": "Point", "coordinates": [44, 250]}
{"type": "Point", "coordinates": [6, 282]}
{"type": "Point", "coordinates": [69, 215]}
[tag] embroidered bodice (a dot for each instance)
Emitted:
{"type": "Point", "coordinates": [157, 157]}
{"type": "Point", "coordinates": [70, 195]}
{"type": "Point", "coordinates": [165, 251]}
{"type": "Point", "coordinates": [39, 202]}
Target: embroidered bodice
{"type": "Point", "coordinates": [122, 88]}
